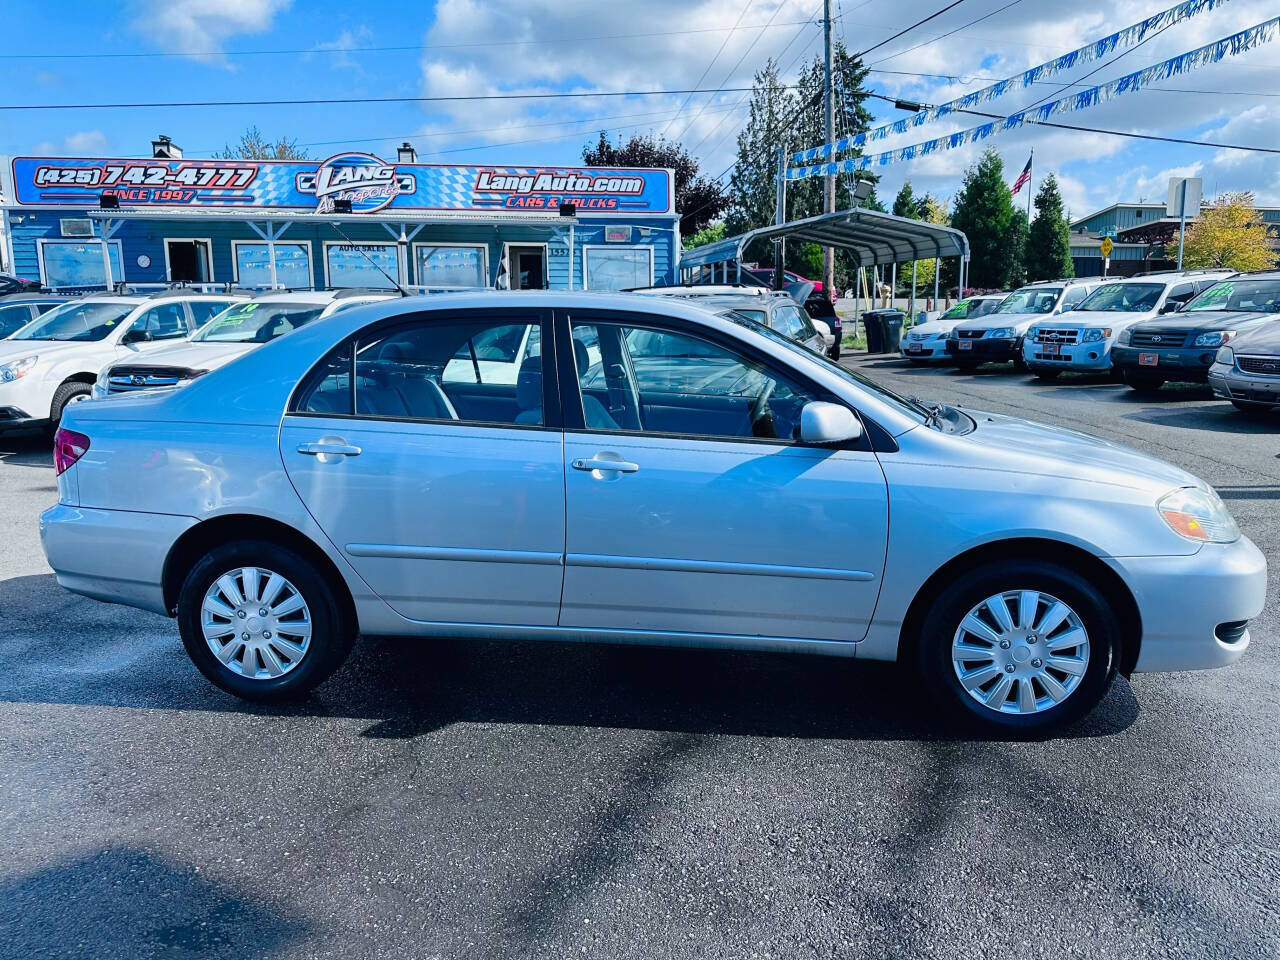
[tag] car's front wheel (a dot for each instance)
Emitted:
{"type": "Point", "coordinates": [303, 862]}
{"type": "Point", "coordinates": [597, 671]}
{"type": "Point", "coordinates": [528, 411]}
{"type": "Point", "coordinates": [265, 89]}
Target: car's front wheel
{"type": "Point", "coordinates": [1020, 646]}
{"type": "Point", "coordinates": [261, 622]}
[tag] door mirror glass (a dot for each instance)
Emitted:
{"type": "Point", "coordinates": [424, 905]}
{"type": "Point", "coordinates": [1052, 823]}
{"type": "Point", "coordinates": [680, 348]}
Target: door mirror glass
{"type": "Point", "coordinates": [823, 424]}
{"type": "Point", "coordinates": [136, 335]}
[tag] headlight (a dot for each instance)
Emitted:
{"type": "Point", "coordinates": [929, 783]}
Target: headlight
{"type": "Point", "coordinates": [1215, 338]}
{"type": "Point", "coordinates": [16, 369]}
{"type": "Point", "coordinates": [1198, 515]}
{"type": "Point", "coordinates": [1001, 333]}
{"type": "Point", "coordinates": [1226, 355]}
{"type": "Point", "coordinates": [1094, 334]}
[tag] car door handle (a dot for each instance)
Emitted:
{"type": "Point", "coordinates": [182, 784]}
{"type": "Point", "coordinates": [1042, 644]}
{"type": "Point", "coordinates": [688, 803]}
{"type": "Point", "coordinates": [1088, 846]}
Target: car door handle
{"type": "Point", "coordinates": [597, 463]}
{"type": "Point", "coordinates": [329, 448]}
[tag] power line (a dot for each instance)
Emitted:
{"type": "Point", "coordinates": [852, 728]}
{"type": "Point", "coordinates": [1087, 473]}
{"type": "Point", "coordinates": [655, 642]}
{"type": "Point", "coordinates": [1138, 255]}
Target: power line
{"type": "Point", "coordinates": [322, 101]}
{"type": "Point", "coordinates": [724, 43]}
{"type": "Point", "coordinates": [904, 30]}
{"type": "Point", "coordinates": [965, 26]}
{"type": "Point", "coordinates": [416, 47]}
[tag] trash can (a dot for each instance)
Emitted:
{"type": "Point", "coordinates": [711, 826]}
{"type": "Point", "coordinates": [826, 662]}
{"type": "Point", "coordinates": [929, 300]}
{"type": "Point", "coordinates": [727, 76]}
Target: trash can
{"type": "Point", "coordinates": [875, 331]}
{"type": "Point", "coordinates": [893, 321]}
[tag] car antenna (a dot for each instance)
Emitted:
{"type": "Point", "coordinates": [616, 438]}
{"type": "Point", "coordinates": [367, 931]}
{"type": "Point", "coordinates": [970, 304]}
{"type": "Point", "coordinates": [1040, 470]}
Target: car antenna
{"type": "Point", "coordinates": [395, 283]}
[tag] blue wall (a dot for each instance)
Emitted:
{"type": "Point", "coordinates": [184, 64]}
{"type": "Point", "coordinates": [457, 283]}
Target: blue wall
{"type": "Point", "coordinates": [146, 237]}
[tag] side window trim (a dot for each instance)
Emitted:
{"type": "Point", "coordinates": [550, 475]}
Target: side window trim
{"type": "Point", "coordinates": [551, 419]}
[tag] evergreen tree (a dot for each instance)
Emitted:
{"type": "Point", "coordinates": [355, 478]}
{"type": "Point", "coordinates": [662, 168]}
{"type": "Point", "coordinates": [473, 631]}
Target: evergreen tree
{"type": "Point", "coordinates": [1049, 242]}
{"type": "Point", "coordinates": [905, 203]}
{"type": "Point", "coordinates": [984, 211]}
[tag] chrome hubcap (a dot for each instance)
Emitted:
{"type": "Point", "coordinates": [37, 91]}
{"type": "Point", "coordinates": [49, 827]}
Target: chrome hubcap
{"type": "Point", "coordinates": [1020, 652]}
{"type": "Point", "coordinates": [256, 623]}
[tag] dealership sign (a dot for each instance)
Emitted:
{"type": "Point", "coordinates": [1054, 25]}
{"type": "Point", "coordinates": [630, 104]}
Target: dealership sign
{"type": "Point", "coordinates": [369, 183]}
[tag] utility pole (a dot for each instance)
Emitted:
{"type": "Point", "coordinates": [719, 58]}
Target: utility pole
{"type": "Point", "coordinates": [828, 253]}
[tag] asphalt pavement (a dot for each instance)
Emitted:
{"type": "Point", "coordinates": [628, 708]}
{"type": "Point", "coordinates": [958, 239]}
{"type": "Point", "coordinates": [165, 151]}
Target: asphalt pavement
{"type": "Point", "coordinates": [475, 799]}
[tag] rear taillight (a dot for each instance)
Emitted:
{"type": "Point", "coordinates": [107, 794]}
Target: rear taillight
{"type": "Point", "coordinates": [68, 447]}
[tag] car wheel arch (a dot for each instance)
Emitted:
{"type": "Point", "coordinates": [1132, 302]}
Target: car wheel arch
{"type": "Point", "coordinates": [216, 531]}
{"type": "Point", "coordinates": [1073, 557]}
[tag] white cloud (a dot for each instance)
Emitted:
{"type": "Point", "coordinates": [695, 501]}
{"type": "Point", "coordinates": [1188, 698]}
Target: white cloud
{"type": "Point", "coordinates": [85, 143]}
{"type": "Point", "coordinates": [199, 28]}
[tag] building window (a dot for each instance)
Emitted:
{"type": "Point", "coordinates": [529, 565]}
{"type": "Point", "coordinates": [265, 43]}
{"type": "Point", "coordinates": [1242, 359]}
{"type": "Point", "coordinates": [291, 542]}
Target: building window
{"type": "Point", "coordinates": [76, 263]}
{"type": "Point", "coordinates": [253, 268]}
{"type": "Point", "coordinates": [450, 265]}
{"type": "Point", "coordinates": [617, 267]}
{"type": "Point", "coordinates": [361, 265]}
{"type": "Point", "coordinates": [1137, 214]}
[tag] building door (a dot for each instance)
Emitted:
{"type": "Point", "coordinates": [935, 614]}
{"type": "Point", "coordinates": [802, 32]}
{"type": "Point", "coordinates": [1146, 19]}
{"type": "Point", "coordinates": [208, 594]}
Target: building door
{"type": "Point", "coordinates": [528, 268]}
{"type": "Point", "coordinates": [188, 261]}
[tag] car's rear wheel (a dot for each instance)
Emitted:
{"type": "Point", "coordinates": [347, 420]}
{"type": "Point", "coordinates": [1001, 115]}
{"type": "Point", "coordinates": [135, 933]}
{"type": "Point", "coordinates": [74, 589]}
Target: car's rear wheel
{"type": "Point", "coordinates": [261, 622]}
{"type": "Point", "coordinates": [1019, 646]}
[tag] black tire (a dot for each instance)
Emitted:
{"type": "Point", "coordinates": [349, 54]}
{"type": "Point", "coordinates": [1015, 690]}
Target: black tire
{"type": "Point", "coordinates": [834, 353]}
{"type": "Point", "coordinates": [1253, 409]}
{"type": "Point", "coordinates": [1047, 375]}
{"type": "Point", "coordinates": [332, 634]}
{"type": "Point", "coordinates": [1018, 362]}
{"type": "Point", "coordinates": [1143, 383]}
{"type": "Point", "coordinates": [949, 608]}
{"type": "Point", "coordinates": [71, 392]}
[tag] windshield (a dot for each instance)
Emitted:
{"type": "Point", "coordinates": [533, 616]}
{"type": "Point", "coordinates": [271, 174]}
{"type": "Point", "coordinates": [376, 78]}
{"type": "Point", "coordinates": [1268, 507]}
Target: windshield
{"type": "Point", "coordinates": [1242, 296]}
{"type": "Point", "coordinates": [1123, 297]}
{"type": "Point", "coordinates": [254, 322]}
{"type": "Point", "coordinates": [77, 321]}
{"type": "Point", "coordinates": [959, 311]}
{"type": "Point", "coordinates": [912, 408]}
{"type": "Point", "coordinates": [1031, 300]}
{"type": "Point", "coordinates": [756, 316]}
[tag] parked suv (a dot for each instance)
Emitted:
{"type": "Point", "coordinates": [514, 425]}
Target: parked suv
{"type": "Point", "coordinates": [1248, 371]}
{"type": "Point", "coordinates": [997, 337]}
{"type": "Point", "coordinates": [52, 362]}
{"type": "Point", "coordinates": [928, 340]}
{"type": "Point", "coordinates": [1083, 340]}
{"type": "Point", "coordinates": [19, 309]}
{"type": "Point", "coordinates": [231, 333]}
{"type": "Point", "coordinates": [1182, 347]}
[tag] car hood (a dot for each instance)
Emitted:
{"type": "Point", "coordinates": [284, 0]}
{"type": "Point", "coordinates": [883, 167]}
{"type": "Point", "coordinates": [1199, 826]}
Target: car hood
{"type": "Point", "coordinates": [49, 349]}
{"type": "Point", "coordinates": [1100, 318]}
{"type": "Point", "coordinates": [1028, 447]}
{"type": "Point", "coordinates": [1209, 320]}
{"type": "Point", "coordinates": [1263, 340]}
{"type": "Point", "coordinates": [192, 355]}
{"type": "Point", "coordinates": [931, 327]}
{"type": "Point", "coordinates": [994, 321]}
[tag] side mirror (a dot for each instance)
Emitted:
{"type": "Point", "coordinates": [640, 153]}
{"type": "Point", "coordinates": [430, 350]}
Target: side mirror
{"type": "Point", "coordinates": [823, 424]}
{"type": "Point", "coordinates": [136, 335]}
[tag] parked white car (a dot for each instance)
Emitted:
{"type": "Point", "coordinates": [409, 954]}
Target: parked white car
{"type": "Point", "coordinates": [997, 336]}
{"type": "Point", "coordinates": [927, 340]}
{"type": "Point", "coordinates": [1082, 341]}
{"type": "Point", "coordinates": [53, 362]}
{"type": "Point", "coordinates": [231, 333]}
{"type": "Point", "coordinates": [657, 474]}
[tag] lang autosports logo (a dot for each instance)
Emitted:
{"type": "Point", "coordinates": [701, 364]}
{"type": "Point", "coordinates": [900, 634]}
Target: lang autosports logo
{"type": "Point", "coordinates": [368, 182]}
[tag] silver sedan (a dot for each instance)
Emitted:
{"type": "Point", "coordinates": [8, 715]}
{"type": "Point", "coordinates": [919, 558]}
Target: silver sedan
{"type": "Point", "coordinates": [655, 474]}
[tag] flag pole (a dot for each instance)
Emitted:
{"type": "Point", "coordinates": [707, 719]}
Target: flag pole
{"type": "Point", "coordinates": [1031, 163]}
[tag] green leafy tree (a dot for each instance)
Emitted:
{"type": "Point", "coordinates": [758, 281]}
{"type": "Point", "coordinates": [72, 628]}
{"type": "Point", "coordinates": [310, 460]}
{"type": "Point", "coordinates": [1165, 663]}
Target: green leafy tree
{"type": "Point", "coordinates": [712, 233]}
{"type": "Point", "coordinates": [1049, 242]}
{"type": "Point", "coordinates": [905, 203]}
{"type": "Point", "coordinates": [699, 199]}
{"type": "Point", "coordinates": [254, 146]}
{"type": "Point", "coordinates": [984, 211]}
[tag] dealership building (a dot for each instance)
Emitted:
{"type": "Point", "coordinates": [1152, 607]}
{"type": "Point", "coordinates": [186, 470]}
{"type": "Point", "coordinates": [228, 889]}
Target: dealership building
{"type": "Point", "coordinates": [350, 220]}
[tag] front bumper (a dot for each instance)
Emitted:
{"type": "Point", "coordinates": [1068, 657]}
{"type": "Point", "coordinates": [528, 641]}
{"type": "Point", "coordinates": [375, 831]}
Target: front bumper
{"type": "Point", "coordinates": [1183, 600]}
{"type": "Point", "coordinates": [112, 555]}
{"type": "Point", "coordinates": [1070, 356]}
{"type": "Point", "coordinates": [1181, 364]}
{"type": "Point", "coordinates": [983, 349]}
{"type": "Point", "coordinates": [1231, 383]}
{"type": "Point", "coordinates": [925, 350]}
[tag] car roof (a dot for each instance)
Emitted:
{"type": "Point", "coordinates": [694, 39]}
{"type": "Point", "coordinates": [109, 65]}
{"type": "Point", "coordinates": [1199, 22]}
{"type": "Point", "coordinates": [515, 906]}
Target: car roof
{"type": "Point", "coordinates": [323, 296]}
{"type": "Point", "coordinates": [33, 297]}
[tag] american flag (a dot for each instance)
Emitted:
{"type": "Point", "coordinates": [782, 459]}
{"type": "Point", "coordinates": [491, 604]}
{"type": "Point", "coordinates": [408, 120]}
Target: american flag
{"type": "Point", "coordinates": [1023, 177]}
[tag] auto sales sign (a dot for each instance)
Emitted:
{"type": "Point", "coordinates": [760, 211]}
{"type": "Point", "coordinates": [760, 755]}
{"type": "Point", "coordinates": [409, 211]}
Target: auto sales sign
{"type": "Point", "coordinates": [369, 183]}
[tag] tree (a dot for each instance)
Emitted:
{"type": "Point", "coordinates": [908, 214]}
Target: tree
{"type": "Point", "coordinates": [712, 233]}
{"type": "Point", "coordinates": [253, 146]}
{"type": "Point", "coordinates": [905, 203]}
{"type": "Point", "coordinates": [929, 209]}
{"type": "Point", "coordinates": [984, 211]}
{"type": "Point", "coordinates": [699, 200]}
{"type": "Point", "coordinates": [1049, 242]}
{"type": "Point", "coordinates": [1229, 233]}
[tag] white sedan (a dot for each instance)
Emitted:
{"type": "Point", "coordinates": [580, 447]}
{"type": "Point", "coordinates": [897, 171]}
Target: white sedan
{"type": "Point", "coordinates": [656, 474]}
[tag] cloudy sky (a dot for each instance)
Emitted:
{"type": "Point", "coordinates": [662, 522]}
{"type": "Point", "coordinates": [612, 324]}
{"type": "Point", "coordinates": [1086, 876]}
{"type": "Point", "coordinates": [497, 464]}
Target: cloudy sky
{"type": "Point", "coordinates": [157, 50]}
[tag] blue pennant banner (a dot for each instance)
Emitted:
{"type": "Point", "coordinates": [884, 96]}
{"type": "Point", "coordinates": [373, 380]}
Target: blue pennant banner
{"type": "Point", "coordinates": [1128, 37]}
{"type": "Point", "coordinates": [1231, 46]}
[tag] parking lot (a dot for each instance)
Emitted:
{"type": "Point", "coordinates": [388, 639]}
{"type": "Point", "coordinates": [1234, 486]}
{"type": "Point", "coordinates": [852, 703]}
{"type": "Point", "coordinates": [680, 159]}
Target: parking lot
{"type": "Point", "coordinates": [474, 799]}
